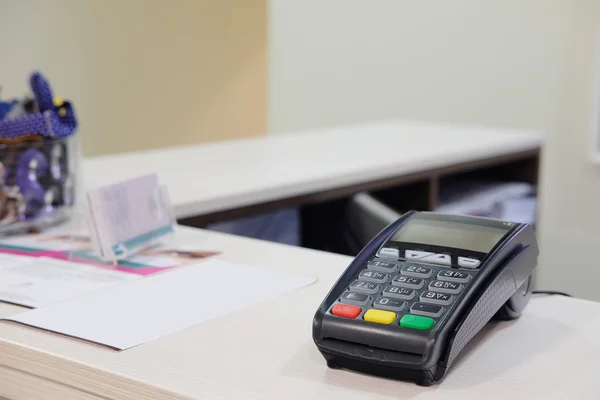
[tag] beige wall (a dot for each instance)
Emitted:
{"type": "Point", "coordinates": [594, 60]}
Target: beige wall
{"type": "Point", "coordinates": [570, 206]}
{"type": "Point", "coordinates": [512, 63]}
{"type": "Point", "coordinates": [482, 62]}
{"type": "Point", "coordinates": [143, 73]}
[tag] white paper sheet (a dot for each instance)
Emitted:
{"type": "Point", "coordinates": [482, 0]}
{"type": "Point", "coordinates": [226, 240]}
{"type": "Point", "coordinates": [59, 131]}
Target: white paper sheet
{"type": "Point", "coordinates": [39, 281]}
{"type": "Point", "coordinates": [134, 313]}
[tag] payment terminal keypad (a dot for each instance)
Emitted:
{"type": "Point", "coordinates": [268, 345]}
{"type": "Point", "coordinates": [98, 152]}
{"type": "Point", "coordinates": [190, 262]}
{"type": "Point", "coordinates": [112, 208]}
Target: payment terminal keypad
{"type": "Point", "coordinates": [404, 294]}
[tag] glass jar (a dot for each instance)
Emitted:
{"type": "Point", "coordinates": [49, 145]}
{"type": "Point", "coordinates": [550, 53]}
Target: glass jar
{"type": "Point", "coordinates": [37, 182]}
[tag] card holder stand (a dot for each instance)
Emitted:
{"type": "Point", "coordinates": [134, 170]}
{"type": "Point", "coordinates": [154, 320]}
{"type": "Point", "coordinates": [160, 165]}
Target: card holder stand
{"type": "Point", "coordinates": [110, 253]}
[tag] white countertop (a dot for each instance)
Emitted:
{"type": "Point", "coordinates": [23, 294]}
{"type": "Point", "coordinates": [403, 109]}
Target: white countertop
{"type": "Point", "coordinates": [230, 174]}
{"type": "Point", "coordinates": [266, 351]}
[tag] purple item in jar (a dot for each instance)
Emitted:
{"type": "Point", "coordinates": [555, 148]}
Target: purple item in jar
{"type": "Point", "coordinates": [32, 165]}
{"type": "Point", "coordinates": [50, 120]}
{"type": "Point", "coordinates": [57, 170]}
{"type": "Point", "coordinates": [2, 174]}
{"type": "Point", "coordinates": [36, 176]}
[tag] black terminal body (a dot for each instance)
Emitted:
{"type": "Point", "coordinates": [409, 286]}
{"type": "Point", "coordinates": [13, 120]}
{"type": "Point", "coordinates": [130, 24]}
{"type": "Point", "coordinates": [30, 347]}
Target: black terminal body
{"type": "Point", "coordinates": [420, 290]}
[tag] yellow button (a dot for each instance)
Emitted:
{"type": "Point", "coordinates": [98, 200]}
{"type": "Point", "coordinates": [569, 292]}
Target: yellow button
{"type": "Point", "coordinates": [380, 316]}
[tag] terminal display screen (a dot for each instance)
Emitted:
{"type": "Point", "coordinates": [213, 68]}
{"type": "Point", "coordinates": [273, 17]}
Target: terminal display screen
{"type": "Point", "coordinates": [451, 233]}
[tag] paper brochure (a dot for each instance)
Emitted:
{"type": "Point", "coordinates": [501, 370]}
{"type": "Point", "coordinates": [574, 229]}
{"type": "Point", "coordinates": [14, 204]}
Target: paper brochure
{"type": "Point", "coordinates": [130, 314]}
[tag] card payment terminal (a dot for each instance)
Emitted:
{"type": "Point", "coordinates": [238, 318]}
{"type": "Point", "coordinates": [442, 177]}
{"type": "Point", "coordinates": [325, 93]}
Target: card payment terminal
{"type": "Point", "coordinates": [420, 290]}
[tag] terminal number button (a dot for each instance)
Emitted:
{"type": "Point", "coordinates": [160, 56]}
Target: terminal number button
{"type": "Point", "coordinates": [436, 298]}
{"type": "Point", "coordinates": [385, 303]}
{"type": "Point", "coordinates": [364, 287]}
{"type": "Point", "coordinates": [383, 266]}
{"type": "Point", "coordinates": [416, 271]}
{"type": "Point", "coordinates": [454, 276]}
{"type": "Point", "coordinates": [398, 292]}
{"type": "Point", "coordinates": [408, 282]}
{"type": "Point", "coordinates": [445, 287]}
{"type": "Point", "coordinates": [373, 276]}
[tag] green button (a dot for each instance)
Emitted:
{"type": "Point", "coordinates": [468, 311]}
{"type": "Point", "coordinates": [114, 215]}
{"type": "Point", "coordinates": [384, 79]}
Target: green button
{"type": "Point", "coordinates": [416, 322]}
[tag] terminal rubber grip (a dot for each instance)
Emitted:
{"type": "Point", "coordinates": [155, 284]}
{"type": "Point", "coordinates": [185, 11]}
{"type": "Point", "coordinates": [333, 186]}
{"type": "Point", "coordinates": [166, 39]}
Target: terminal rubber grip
{"type": "Point", "coordinates": [498, 292]}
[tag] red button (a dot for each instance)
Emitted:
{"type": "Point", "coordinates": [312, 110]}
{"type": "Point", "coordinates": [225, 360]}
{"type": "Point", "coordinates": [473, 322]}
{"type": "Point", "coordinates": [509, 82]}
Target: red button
{"type": "Point", "coordinates": [346, 311]}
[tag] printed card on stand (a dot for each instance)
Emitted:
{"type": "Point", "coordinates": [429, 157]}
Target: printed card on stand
{"type": "Point", "coordinates": [127, 216]}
